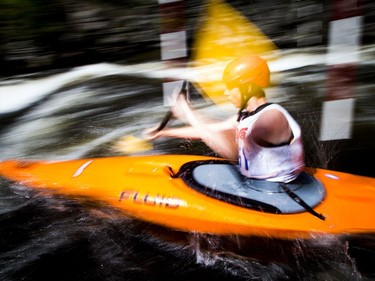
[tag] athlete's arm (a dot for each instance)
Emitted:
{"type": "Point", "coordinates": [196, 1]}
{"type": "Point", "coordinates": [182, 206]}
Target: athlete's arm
{"type": "Point", "coordinates": [219, 136]}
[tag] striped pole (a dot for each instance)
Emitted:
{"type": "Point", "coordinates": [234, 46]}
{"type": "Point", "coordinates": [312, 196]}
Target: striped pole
{"type": "Point", "coordinates": [173, 41]}
{"type": "Point", "coordinates": [345, 31]}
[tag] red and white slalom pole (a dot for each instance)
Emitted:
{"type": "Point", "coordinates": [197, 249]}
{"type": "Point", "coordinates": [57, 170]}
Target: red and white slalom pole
{"type": "Point", "coordinates": [343, 55]}
{"type": "Point", "coordinates": [173, 41]}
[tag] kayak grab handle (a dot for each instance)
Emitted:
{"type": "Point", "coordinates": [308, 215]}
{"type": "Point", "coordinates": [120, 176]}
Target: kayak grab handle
{"type": "Point", "coordinates": [170, 172]}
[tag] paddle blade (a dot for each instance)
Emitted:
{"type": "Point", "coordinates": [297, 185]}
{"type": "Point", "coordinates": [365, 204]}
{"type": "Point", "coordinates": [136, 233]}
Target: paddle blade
{"type": "Point", "coordinates": [224, 35]}
{"type": "Point", "coordinates": [131, 144]}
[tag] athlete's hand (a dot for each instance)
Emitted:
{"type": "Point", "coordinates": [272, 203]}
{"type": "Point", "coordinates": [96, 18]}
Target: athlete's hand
{"type": "Point", "coordinates": [152, 133]}
{"type": "Point", "coordinates": [180, 106]}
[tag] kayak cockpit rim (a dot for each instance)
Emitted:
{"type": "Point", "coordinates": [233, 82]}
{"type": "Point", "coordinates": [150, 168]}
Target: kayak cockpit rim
{"type": "Point", "coordinates": [220, 179]}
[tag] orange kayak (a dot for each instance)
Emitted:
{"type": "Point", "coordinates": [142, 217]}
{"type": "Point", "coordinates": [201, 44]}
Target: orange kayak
{"type": "Point", "coordinates": [207, 195]}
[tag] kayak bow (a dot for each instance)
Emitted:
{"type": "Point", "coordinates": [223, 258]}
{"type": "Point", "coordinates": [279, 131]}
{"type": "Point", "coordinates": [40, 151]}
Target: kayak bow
{"type": "Point", "coordinates": [190, 193]}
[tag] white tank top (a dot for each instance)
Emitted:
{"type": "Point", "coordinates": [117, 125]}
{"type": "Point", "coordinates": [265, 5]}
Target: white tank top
{"type": "Point", "coordinates": [280, 163]}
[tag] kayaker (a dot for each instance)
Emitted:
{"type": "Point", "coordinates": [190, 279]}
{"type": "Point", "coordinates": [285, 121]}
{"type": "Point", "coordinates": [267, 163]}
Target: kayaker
{"type": "Point", "coordinates": [264, 138]}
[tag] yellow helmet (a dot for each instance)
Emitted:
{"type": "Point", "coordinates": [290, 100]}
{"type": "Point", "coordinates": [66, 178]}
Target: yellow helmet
{"type": "Point", "coordinates": [247, 69]}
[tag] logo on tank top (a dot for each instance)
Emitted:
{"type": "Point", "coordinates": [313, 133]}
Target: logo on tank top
{"type": "Point", "coordinates": [240, 134]}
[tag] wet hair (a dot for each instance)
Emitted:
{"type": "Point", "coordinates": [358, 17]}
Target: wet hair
{"type": "Point", "coordinates": [255, 91]}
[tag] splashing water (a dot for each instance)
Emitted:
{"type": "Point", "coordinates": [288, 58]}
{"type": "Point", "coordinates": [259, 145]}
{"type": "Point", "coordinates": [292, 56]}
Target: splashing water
{"type": "Point", "coordinates": [82, 113]}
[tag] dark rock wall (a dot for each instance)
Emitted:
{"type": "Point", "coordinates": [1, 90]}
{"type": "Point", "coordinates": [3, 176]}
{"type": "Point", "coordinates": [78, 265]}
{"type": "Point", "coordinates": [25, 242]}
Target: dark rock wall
{"type": "Point", "coordinates": [50, 34]}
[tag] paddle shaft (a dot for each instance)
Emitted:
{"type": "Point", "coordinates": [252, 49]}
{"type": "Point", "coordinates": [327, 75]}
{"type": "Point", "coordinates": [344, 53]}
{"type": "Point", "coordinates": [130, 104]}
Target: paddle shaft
{"type": "Point", "coordinates": [169, 114]}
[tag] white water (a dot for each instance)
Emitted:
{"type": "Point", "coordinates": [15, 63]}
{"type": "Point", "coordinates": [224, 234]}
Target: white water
{"type": "Point", "coordinates": [22, 94]}
{"type": "Point", "coordinates": [60, 102]}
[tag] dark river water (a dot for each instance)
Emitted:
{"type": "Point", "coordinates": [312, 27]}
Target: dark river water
{"type": "Point", "coordinates": [83, 112]}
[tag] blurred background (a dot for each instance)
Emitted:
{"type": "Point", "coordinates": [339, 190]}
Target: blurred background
{"type": "Point", "coordinates": [43, 35]}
